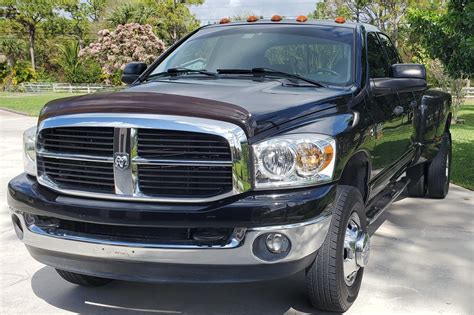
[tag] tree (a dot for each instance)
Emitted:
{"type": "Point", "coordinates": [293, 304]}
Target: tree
{"type": "Point", "coordinates": [95, 9]}
{"type": "Point", "coordinates": [12, 48]}
{"type": "Point", "coordinates": [171, 19]}
{"type": "Point", "coordinates": [448, 36]}
{"type": "Point", "coordinates": [127, 43]}
{"type": "Point", "coordinates": [80, 15]}
{"type": "Point", "coordinates": [30, 13]}
{"type": "Point", "coordinates": [134, 12]}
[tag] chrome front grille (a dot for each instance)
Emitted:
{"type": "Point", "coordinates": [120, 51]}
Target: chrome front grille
{"type": "Point", "coordinates": [148, 158]}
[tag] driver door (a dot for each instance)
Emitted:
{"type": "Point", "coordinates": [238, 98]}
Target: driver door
{"type": "Point", "coordinates": [392, 119]}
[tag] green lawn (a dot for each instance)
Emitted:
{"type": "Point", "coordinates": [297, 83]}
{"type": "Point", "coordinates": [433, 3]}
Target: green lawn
{"type": "Point", "coordinates": [463, 135]}
{"type": "Point", "coordinates": [463, 148]}
{"type": "Point", "coordinates": [28, 103]}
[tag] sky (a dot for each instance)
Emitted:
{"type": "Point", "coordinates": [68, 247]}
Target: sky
{"type": "Point", "coordinates": [213, 10]}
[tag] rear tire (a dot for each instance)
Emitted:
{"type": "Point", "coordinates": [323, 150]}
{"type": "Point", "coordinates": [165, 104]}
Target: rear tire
{"type": "Point", "coordinates": [439, 170]}
{"type": "Point", "coordinates": [416, 174]}
{"type": "Point", "coordinates": [329, 288]}
{"type": "Point", "coordinates": [83, 280]}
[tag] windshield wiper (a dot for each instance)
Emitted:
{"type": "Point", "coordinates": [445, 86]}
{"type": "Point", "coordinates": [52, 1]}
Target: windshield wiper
{"type": "Point", "coordinates": [173, 72]}
{"type": "Point", "coordinates": [268, 71]}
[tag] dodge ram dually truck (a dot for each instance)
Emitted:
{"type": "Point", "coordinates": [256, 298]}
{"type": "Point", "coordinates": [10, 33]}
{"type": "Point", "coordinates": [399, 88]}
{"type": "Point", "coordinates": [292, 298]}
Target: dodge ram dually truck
{"type": "Point", "coordinates": [247, 151]}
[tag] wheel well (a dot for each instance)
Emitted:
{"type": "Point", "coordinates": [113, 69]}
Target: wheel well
{"type": "Point", "coordinates": [356, 173]}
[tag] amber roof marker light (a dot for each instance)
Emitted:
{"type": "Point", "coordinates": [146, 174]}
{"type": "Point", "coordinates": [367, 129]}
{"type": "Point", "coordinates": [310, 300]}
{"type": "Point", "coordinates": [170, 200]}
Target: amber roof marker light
{"type": "Point", "coordinates": [301, 18]}
{"type": "Point", "coordinates": [252, 18]}
{"type": "Point", "coordinates": [224, 20]}
{"type": "Point", "coordinates": [340, 20]}
{"type": "Point", "coordinates": [276, 18]}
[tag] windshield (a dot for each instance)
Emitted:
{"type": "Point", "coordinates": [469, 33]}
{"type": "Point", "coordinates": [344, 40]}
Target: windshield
{"type": "Point", "coordinates": [319, 53]}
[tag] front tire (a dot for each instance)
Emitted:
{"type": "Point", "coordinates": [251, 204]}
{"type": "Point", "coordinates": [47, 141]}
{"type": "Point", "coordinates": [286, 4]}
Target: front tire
{"type": "Point", "coordinates": [439, 170]}
{"type": "Point", "coordinates": [334, 279]}
{"type": "Point", "coordinates": [82, 280]}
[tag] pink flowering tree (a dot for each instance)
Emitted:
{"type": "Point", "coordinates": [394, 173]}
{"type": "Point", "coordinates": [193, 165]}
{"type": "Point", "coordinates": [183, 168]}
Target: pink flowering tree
{"type": "Point", "coordinates": [127, 43]}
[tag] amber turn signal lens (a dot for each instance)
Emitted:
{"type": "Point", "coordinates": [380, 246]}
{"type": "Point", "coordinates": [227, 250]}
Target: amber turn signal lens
{"type": "Point", "coordinates": [252, 18]}
{"type": "Point", "coordinates": [224, 21]}
{"type": "Point", "coordinates": [301, 18]}
{"type": "Point", "coordinates": [276, 18]}
{"type": "Point", "coordinates": [329, 154]}
{"type": "Point", "coordinates": [340, 20]}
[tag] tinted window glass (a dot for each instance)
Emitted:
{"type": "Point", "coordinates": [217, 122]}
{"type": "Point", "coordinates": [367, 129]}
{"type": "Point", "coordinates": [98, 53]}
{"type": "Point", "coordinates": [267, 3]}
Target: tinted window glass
{"type": "Point", "coordinates": [320, 53]}
{"type": "Point", "coordinates": [378, 66]}
{"type": "Point", "coordinates": [390, 49]}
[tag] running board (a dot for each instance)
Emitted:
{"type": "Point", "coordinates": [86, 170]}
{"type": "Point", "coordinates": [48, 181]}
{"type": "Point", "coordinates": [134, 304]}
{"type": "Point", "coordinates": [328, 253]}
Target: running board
{"type": "Point", "coordinates": [389, 195]}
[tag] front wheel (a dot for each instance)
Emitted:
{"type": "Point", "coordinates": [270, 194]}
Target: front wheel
{"type": "Point", "coordinates": [334, 279]}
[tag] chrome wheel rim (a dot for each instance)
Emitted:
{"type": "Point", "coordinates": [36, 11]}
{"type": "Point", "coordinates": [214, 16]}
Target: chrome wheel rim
{"type": "Point", "coordinates": [356, 249]}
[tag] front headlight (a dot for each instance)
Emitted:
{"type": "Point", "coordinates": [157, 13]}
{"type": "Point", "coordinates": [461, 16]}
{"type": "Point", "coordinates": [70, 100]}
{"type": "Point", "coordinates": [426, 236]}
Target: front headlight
{"type": "Point", "coordinates": [294, 160]}
{"type": "Point", "coordinates": [29, 151]}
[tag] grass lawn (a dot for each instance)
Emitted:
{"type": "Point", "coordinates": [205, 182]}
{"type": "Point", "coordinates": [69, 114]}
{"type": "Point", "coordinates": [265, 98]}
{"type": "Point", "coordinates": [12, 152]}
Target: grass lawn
{"type": "Point", "coordinates": [28, 103]}
{"type": "Point", "coordinates": [462, 135]}
{"type": "Point", "coordinates": [463, 148]}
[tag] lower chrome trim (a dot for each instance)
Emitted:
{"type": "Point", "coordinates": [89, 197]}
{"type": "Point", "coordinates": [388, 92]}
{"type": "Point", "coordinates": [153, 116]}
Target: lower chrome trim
{"type": "Point", "coordinates": [306, 238]}
{"type": "Point", "coordinates": [234, 241]}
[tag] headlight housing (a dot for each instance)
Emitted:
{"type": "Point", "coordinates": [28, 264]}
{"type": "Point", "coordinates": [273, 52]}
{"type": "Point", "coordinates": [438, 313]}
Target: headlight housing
{"type": "Point", "coordinates": [29, 151]}
{"type": "Point", "coordinates": [294, 160]}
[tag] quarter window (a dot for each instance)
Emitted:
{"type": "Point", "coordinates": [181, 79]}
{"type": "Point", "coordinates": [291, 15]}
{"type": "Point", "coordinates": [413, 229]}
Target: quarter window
{"type": "Point", "coordinates": [392, 54]}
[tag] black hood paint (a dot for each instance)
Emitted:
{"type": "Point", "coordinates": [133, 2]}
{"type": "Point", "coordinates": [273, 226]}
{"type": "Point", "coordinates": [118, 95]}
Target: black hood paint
{"type": "Point", "coordinates": [258, 105]}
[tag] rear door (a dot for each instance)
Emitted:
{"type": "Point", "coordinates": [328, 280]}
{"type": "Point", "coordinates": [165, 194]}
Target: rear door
{"type": "Point", "coordinates": [391, 119]}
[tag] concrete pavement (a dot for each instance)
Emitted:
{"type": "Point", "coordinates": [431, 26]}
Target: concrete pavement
{"type": "Point", "coordinates": [421, 263]}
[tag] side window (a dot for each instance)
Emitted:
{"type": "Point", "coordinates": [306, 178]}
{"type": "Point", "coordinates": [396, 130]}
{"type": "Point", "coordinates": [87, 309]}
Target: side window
{"type": "Point", "coordinates": [392, 53]}
{"type": "Point", "coordinates": [378, 66]}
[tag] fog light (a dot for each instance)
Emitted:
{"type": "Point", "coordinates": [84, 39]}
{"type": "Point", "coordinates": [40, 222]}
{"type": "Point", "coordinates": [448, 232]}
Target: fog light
{"type": "Point", "coordinates": [277, 243]}
{"type": "Point", "coordinates": [271, 246]}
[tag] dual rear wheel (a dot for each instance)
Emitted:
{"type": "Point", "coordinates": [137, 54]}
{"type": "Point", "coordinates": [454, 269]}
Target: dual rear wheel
{"type": "Point", "coordinates": [432, 179]}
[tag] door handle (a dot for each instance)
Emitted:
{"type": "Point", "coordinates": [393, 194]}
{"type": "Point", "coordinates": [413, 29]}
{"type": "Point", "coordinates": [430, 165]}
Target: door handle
{"type": "Point", "coordinates": [398, 110]}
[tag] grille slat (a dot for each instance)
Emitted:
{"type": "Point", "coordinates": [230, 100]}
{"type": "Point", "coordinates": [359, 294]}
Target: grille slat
{"type": "Point", "coordinates": [80, 181]}
{"type": "Point", "coordinates": [62, 164]}
{"type": "Point", "coordinates": [87, 142]}
{"type": "Point", "coordinates": [74, 174]}
{"type": "Point", "coordinates": [89, 148]}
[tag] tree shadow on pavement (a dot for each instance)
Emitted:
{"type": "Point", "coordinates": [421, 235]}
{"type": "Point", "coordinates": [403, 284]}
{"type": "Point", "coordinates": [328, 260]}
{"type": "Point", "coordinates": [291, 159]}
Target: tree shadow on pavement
{"type": "Point", "coordinates": [119, 297]}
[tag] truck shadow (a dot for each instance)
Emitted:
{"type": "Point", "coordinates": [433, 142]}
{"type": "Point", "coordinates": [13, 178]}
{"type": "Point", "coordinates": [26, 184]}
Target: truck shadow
{"type": "Point", "coordinates": [119, 297]}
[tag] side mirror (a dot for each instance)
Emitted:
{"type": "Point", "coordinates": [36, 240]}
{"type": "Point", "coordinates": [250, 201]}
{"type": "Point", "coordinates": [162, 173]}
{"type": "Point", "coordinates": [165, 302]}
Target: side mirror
{"type": "Point", "coordinates": [409, 71]}
{"type": "Point", "coordinates": [406, 77]}
{"type": "Point", "coordinates": [132, 71]}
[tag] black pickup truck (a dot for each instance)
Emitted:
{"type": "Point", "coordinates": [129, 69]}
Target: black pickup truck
{"type": "Point", "coordinates": [247, 151]}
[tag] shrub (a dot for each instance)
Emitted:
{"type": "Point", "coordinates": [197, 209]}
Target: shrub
{"type": "Point", "coordinates": [20, 72]}
{"type": "Point", "coordinates": [127, 43]}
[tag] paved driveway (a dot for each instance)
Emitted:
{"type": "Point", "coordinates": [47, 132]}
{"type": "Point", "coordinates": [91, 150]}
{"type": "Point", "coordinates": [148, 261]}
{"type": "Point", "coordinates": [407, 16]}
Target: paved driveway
{"type": "Point", "coordinates": [421, 262]}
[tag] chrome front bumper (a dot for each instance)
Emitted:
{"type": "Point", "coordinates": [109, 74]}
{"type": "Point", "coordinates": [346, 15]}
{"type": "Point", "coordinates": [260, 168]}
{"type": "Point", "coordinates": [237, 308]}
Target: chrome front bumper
{"type": "Point", "coordinates": [305, 238]}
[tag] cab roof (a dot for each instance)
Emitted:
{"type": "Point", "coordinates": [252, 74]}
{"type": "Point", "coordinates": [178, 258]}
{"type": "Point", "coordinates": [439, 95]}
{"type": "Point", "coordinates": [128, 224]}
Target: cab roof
{"type": "Point", "coordinates": [292, 21]}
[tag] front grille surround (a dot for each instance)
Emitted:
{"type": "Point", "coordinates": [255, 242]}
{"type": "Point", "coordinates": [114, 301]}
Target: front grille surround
{"type": "Point", "coordinates": [231, 166]}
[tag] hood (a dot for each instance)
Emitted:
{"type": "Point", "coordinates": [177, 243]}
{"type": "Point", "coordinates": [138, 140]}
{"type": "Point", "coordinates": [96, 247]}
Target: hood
{"type": "Point", "coordinates": [253, 105]}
